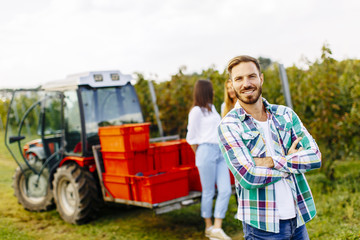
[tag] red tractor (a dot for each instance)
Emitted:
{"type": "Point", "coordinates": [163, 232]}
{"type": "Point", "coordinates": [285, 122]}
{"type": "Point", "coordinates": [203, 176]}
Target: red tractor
{"type": "Point", "coordinates": [87, 144]}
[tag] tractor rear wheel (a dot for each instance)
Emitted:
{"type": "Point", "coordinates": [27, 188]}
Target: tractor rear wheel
{"type": "Point", "coordinates": [76, 194]}
{"type": "Point", "coordinates": [33, 191]}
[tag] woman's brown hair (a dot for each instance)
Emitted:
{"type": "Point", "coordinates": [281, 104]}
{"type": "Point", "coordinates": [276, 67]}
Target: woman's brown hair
{"type": "Point", "coordinates": [203, 94]}
{"type": "Point", "coordinates": [229, 102]}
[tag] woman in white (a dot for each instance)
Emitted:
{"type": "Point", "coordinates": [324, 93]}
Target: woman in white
{"type": "Point", "coordinates": [202, 136]}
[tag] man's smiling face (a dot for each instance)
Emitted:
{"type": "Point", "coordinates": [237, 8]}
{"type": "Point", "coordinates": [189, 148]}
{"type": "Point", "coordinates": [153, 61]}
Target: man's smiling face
{"type": "Point", "coordinates": [247, 82]}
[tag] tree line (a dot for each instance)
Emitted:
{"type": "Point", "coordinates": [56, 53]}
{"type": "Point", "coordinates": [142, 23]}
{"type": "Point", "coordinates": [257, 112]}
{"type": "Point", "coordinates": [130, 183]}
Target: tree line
{"type": "Point", "coordinates": [325, 95]}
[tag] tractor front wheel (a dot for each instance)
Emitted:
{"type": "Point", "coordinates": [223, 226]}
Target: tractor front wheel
{"type": "Point", "coordinates": [76, 194]}
{"type": "Point", "coordinates": [33, 190]}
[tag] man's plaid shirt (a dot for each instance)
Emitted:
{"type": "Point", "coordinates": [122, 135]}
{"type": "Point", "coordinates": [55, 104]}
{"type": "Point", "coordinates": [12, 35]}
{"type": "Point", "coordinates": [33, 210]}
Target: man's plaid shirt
{"type": "Point", "coordinates": [241, 141]}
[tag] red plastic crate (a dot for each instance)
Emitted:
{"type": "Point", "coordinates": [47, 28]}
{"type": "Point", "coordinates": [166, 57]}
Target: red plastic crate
{"type": "Point", "coordinates": [151, 158]}
{"type": "Point", "coordinates": [118, 186]}
{"type": "Point", "coordinates": [193, 177]}
{"type": "Point", "coordinates": [160, 187]}
{"type": "Point", "coordinates": [232, 179]}
{"type": "Point", "coordinates": [187, 155]}
{"type": "Point", "coordinates": [125, 138]}
{"type": "Point", "coordinates": [166, 155]}
{"type": "Point", "coordinates": [130, 163]}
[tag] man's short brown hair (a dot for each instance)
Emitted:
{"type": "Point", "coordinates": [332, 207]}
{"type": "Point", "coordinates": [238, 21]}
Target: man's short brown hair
{"type": "Point", "coordinates": [239, 59]}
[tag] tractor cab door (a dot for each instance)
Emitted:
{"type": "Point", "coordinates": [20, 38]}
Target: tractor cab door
{"type": "Point", "coordinates": [34, 127]}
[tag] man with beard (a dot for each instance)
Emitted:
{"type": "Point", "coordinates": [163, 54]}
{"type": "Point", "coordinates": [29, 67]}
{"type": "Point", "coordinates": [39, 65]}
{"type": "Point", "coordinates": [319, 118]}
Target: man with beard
{"type": "Point", "coordinates": [268, 150]}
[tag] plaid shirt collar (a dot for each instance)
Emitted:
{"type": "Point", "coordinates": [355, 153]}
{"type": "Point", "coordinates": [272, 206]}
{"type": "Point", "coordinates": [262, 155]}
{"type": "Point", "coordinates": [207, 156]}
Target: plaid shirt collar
{"type": "Point", "coordinates": [243, 115]}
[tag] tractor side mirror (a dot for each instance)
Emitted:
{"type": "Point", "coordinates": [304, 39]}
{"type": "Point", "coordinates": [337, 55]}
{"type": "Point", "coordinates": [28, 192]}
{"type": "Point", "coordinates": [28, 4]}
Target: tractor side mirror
{"type": "Point", "coordinates": [13, 139]}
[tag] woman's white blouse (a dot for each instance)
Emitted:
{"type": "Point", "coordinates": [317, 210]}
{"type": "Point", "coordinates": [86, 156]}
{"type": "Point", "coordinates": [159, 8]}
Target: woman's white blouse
{"type": "Point", "coordinates": [202, 126]}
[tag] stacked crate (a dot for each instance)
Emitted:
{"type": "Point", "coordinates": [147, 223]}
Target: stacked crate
{"type": "Point", "coordinates": [139, 171]}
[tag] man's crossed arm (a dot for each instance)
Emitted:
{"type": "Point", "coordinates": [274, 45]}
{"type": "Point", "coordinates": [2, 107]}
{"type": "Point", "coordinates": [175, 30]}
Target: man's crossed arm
{"type": "Point", "coordinates": [268, 161]}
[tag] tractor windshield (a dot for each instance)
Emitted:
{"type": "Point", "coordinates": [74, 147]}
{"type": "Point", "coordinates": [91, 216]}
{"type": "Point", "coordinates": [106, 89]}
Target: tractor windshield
{"type": "Point", "coordinates": [108, 106]}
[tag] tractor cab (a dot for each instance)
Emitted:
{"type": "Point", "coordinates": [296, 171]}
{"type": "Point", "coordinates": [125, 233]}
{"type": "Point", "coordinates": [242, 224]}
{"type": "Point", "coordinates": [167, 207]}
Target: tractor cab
{"type": "Point", "coordinates": [62, 117]}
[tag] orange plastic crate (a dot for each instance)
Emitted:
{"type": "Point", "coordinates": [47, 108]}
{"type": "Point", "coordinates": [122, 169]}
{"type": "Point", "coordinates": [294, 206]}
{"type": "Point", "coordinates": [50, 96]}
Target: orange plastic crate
{"type": "Point", "coordinates": [166, 155]}
{"type": "Point", "coordinates": [130, 163]}
{"type": "Point", "coordinates": [160, 187]}
{"type": "Point", "coordinates": [124, 138]}
{"type": "Point", "coordinates": [118, 186]}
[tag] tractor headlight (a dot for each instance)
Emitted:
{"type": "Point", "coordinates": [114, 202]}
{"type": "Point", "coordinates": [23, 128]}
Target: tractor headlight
{"type": "Point", "coordinates": [115, 77]}
{"type": "Point", "coordinates": [98, 78]}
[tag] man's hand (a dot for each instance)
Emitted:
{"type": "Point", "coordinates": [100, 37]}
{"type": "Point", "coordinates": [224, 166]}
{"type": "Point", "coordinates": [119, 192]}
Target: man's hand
{"type": "Point", "coordinates": [264, 162]}
{"type": "Point", "coordinates": [293, 147]}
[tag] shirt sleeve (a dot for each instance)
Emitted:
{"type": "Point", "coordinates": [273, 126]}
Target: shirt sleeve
{"type": "Point", "coordinates": [302, 161]}
{"type": "Point", "coordinates": [240, 161]}
{"type": "Point", "coordinates": [192, 136]}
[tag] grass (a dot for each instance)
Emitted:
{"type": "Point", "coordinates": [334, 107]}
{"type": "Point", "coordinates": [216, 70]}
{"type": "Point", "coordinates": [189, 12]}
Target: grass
{"type": "Point", "coordinates": [338, 215]}
{"type": "Point", "coordinates": [337, 203]}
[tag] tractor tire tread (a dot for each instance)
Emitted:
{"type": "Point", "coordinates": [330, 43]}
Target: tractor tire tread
{"type": "Point", "coordinates": [87, 207]}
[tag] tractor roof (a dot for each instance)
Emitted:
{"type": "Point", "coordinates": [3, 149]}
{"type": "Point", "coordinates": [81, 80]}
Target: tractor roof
{"type": "Point", "coordinates": [96, 79]}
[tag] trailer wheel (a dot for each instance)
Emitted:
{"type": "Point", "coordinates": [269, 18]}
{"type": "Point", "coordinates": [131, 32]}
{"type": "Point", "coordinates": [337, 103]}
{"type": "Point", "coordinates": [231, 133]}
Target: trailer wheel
{"type": "Point", "coordinates": [32, 191]}
{"type": "Point", "coordinates": [76, 194]}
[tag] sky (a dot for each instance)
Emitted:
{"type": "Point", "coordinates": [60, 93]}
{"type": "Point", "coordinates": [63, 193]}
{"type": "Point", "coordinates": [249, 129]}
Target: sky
{"type": "Point", "coordinates": [46, 40]}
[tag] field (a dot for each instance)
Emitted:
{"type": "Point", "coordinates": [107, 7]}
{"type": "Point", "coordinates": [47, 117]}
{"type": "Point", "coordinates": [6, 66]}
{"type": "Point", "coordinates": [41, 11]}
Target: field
{"type": "Point", "coordinates": [338, 217]}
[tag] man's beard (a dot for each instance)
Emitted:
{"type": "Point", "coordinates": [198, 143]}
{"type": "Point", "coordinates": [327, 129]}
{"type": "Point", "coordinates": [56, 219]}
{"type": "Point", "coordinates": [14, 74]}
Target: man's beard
{"type": "Point", "coordinates": [249, 100]}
